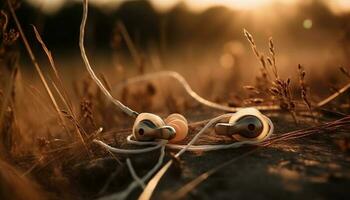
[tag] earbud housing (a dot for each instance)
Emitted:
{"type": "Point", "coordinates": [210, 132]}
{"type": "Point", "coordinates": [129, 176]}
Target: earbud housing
{"type": "Point", "coordinates": [246, 124]}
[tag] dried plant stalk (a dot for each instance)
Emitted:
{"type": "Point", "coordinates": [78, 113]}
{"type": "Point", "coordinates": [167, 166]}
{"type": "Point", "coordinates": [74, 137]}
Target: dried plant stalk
{"type": "Point", "coordinates": [345, 72]}
{"type": "Point", "coordinates": [37, 67]}
{"type": "Point", "coordinates": [6, 137]}
{"type": "Point", "coordinates": [53, 67]}
{"type": "Point", "coordinates": [304, 89]}
{"type": "Point", "coordinates": [129, 43]}
{"type": "Point", "coordinates": [252, 43]}
{"type": "Point", "coordinates": [61, 91]}
{"type": "Point", "coordinates": [278, 88]}
{"type": "Point", "coordinates": [272, 60]}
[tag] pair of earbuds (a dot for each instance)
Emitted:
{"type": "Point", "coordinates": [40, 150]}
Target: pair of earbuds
{"type": "Point", "coordinates": [246, 124]}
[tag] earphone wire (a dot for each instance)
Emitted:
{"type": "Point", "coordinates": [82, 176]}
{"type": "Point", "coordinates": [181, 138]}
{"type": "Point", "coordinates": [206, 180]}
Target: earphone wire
{"type": "Point", "coordinates": [124, 108]}
{"type": "Point", "coordinates": [151, 185]}
{"type": "Point", "coordinates": [147, 193]}
{"type": "Point", "coordinates": [178, 77]}
{"type": "Point", "coordinates": [124, 194]}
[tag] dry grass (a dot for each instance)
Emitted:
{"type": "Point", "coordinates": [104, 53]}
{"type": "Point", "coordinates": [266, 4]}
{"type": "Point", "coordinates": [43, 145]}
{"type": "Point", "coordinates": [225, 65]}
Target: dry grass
{"type": "Point", "coordinates": [49, 156]}
{"type": "Point", "coordinates": [304, 90]}
{"type": "Point", "coordinates": [270, 83]}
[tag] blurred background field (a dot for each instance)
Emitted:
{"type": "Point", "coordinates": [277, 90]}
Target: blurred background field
{"type": "Point", "coordinates": [185, 35]}
{"type": "Point", "coordinates": [194, 36]}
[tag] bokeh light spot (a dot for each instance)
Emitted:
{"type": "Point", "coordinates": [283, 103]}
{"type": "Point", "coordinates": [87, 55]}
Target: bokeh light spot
{"type": "Point", "coordinates": [227, 61]}
{"type": "Point", "coordinates": [307, 24]}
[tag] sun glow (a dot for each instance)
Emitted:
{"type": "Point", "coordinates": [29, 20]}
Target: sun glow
{"type": "Point", "coordinates": [200, 5]}
{"type": "Point", "coordinates": [340, 6]}
{"type": "Point", "coordinates": [48, 6]}
{"type": "Point", "coordinates": [51, 6]}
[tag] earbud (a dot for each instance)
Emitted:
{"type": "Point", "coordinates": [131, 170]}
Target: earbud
{"type": "Point", "coordinates": [149, 126]}
{"type": "Point", "coordinates": [246, 124]}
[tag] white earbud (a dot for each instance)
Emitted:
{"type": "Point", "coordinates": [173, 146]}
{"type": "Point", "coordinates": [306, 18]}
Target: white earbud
{"type": "Point", "coordinates": [246, 124]}
{"type": "Point", "coordinates": [149, 127]}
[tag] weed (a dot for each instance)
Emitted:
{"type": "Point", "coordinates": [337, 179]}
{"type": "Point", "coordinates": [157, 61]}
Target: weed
{"type": "Point", "coordinates": [275, 87]}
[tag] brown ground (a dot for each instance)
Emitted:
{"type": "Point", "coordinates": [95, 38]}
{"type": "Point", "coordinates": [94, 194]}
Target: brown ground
{"type": "Point", "coordinates": [313, 167]}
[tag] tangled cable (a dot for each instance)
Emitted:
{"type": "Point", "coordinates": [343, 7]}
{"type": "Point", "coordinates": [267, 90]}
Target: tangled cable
{"type": "Point", "coordinates": [183, 148]}
{"type": "Point", "coordinates": [246, 126]}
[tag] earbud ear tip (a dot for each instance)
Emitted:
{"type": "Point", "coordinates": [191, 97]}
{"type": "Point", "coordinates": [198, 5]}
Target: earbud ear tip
{"type": "Point", "coordinates": [181, 128]}
{"type": "Point", "coordinates": [175, 116]}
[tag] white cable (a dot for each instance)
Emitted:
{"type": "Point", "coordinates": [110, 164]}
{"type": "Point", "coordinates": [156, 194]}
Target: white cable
{"type": "Point", "coordinates": [131, 151]}
{"type": "Point", "coordinates": [151, 185]}
{"type": "Point", "coordinates": [140, 143]}
{"type": "Point", "coordinates": [183, 148]}
{"type": "Point", "coordinates": [133, 173]}
{"type": "Point", "coordinates": [178, 77]}
{"type": "Point", "coordinates": [124, 108]}
{"type": "Point", "coordinates": [125, 193]}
